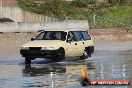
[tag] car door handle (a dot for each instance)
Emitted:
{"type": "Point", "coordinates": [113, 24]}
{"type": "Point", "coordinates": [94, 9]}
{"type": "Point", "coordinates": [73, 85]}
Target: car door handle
{"type": "Point", "coordinates": [75, 43]}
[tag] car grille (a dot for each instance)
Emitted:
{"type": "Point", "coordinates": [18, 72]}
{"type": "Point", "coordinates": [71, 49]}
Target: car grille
{"type": "Point", "coordinates": [35, 48]}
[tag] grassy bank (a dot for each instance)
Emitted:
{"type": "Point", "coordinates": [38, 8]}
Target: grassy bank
{"type": "Point", "coordinates": [85, 10]}
{"type": "Point", "coordinates": [121, 14]}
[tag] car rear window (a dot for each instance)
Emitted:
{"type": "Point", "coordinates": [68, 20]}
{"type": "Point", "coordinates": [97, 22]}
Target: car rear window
{"type": "Point", "coordinates": [85, 35]}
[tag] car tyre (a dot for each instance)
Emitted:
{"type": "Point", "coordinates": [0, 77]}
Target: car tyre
{"type": "Point", "coordinates": [89, 54]}
{"type": "Point", "coordinates": [32, 58]}
{"type": "Point", "coordinates": [60, 55]}
{"type": "Point", "coordinates": [27, 61]}
{"type": "Point", "coordinates": [90, 50]}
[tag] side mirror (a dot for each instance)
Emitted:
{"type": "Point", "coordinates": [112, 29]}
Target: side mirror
{"type": "Point", "coordinates": [69, 40]}
{"type": "Point", "coordinates": [32, 39]}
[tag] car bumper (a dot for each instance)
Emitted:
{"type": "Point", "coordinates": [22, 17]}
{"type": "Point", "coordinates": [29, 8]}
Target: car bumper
{"type": "Point", "coordinates": [39, 53]}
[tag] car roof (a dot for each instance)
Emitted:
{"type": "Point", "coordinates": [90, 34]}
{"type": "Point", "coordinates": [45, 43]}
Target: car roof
{"type": "Point", "coordinates": [65, 30]}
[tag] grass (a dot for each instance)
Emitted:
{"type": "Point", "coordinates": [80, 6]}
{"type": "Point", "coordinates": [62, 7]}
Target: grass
{"type": "Point", "coordinates": [61, 10]}
{"type": "Point", "coordinates": [120, 14]}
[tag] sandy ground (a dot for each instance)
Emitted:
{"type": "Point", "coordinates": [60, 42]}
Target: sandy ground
{"type": "Point", "coordinates": [119, 35]}
{"type": "Point", "coordinates": [16, 40]}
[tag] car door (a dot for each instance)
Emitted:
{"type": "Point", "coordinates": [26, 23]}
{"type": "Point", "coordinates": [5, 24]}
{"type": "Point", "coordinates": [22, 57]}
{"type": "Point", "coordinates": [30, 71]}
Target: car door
{"type": "Point", "coordinates": [74, 45]}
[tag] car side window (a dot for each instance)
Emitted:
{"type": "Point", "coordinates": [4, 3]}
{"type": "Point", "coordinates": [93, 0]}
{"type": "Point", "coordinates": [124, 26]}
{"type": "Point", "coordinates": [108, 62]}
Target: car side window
{"type": "Point", "coordinates": [85, 35]}
{"type": "Point", "coordinates": [78, 36]}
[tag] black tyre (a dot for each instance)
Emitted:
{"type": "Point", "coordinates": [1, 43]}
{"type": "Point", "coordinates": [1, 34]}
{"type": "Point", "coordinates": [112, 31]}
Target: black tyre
{"type": "Point", "coordinates": [60, 55]}
{"type": "Point", "coordinates": [89, 53]}
{"type": "Point", "coordinates": [90, 50]}
{"type": "Point", "coordinates": [32, 58]}
{"type": "Point", "coordinates": [27, 60]}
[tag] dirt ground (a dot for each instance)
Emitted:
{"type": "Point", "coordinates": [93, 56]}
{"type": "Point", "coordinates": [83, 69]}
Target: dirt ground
{"type": "Point", "coordinates": [119, 35]}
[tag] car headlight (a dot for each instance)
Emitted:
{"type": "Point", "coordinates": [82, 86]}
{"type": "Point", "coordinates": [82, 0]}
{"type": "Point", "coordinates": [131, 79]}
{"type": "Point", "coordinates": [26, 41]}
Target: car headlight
{"type": "Point", "coordinates": [25, 48]}
{"type": "Point", "coordinates": [47, 48]}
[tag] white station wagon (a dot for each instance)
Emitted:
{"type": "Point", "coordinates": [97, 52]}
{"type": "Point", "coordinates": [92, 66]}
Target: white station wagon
{"type": "Point", "coordinates": [58, 44]}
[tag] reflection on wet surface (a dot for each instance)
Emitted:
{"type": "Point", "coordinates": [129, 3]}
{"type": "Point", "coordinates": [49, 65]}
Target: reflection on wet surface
{"type": "Point", "coordinates": [104, 64]}
{"type": "Point", "coordinates": [40, 71]}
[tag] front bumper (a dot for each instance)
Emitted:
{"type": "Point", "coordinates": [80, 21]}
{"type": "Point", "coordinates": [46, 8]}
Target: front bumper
{"type": "Point", "coordinates": [38, 53]}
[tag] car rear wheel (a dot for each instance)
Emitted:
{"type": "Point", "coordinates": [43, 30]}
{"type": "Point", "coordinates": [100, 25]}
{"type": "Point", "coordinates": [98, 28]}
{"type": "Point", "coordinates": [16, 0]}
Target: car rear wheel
{"type": "Point", "coordinates": [89, 50]}
{"type": "Point", "coordinates": [27, 60]}
{"type": "Point", "coordinates": [89, 54]}
{"type": "Point", "coordinates": [60, 55]}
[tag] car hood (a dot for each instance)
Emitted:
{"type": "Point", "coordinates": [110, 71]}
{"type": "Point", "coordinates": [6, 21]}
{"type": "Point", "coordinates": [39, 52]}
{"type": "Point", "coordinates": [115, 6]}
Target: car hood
{"type": "Point", "coordinates": [44, 43]}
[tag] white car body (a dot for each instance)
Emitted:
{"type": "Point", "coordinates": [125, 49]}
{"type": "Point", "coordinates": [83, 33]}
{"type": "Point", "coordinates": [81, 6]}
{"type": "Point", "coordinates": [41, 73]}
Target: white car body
{"type": "Point", "coordinates": [81, 40]}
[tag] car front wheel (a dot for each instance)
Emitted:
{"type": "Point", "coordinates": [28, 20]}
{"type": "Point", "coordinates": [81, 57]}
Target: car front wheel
{"type": "Point", "coordinates": [60, 55]}
{"type": "Point", "coordinates": [27, 60]}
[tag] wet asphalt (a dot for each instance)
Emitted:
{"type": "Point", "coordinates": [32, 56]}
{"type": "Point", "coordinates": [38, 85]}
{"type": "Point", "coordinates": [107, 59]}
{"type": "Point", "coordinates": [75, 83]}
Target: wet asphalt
{"type": "Point", "coordinates": [109, 61]}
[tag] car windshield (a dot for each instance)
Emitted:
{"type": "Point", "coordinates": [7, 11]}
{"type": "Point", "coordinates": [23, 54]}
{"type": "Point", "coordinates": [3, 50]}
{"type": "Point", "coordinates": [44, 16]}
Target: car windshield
{"type": "Point", "coordinates": [52, 35]}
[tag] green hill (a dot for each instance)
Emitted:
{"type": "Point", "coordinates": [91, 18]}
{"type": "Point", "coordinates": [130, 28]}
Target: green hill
{"type": "Point", "coordinates": [120, 14]}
